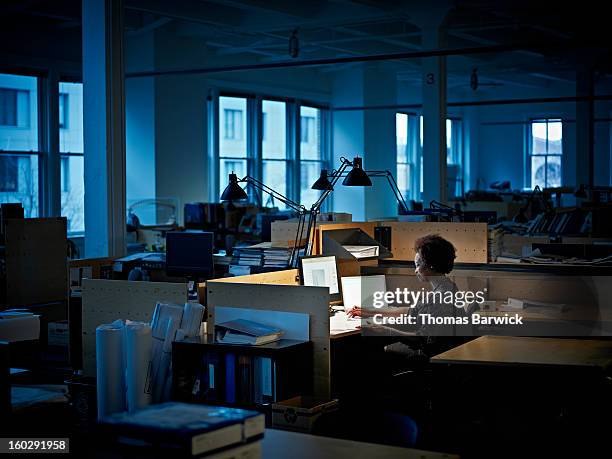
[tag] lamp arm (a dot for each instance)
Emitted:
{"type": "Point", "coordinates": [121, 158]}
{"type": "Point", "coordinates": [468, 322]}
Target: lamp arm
{"type": "Point", "coordinates": [275, 194]}
{"type": "Point", "coordinates": [393, 184]}
{"type": "Point", "coordinates": [335, 176]}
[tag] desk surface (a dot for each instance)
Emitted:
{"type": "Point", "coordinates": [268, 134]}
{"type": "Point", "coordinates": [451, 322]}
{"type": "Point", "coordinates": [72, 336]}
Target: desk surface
{"type": "Point", "coordinates": [511, 350]}
{"type": "Point", "coordinates": [282, 444]}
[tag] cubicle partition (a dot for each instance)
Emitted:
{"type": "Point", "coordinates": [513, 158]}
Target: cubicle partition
{"type": "Point", "coordinates": [279, 292]}
{"type": "Point", "coordinates": [105, 301]}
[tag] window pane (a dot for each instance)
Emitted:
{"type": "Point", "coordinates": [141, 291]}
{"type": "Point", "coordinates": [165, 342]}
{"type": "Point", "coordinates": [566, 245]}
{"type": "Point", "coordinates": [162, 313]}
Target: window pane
{"type": "Point", "coordinates": [18, 113]}
{"type": "Point", "coordinates": [310, 133]}
{"type": "Point", "coordinates": [401, 136]}
{"type": "Point", "coordinates": [232, 127]}
{"type": "Point", "coordinates": [555, 137]}
{"type": "Point", "coordinates": [309, 173]}
{"type": "Point", "coordinates": [274, 143]}
{"type": "Point", "coordinates": [228, 166]}
{"type": "Point", "coordinates": [274, 176]}
{"type": "Point", "coordinates": [449, 134]}
{"type": "Point", "coordinates": [71, 117]}
{"type": "Point", "coordinates": [73, 192]}
{"type": "Point", "coordinates": [538, 138]}
{"type": "Point", "coordinates": [403, 178]}
{"type": "Point", "coordinates": [538, 171]}
{"type": "Point", "coordinates": [19, 182]}
{"type": "Point", "coordinates": [553, 171]}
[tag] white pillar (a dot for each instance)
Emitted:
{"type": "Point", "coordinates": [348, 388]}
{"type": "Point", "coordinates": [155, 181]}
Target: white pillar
{"type": "Point", "coordinates": [104, 127]}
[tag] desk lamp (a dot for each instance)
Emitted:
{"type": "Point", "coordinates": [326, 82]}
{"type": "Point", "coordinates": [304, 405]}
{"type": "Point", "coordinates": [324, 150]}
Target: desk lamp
{"type": "Point", "coordinates": [234, 192]}
{"type": "Point", "coordinates": [357, 176]}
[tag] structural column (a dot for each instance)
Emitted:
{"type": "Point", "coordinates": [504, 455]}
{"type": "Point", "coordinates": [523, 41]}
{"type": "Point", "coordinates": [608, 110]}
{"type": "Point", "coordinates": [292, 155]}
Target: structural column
{"type": "Point", "coordinates": [585, 130]}
{"type": "Point", "coordinates": [434, 116]}
{"type": "Point", "coordinates": [104, 127]}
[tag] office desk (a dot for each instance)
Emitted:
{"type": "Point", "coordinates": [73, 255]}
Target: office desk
{"type": "Point", "coordinates": [513, 350]}
{"type": "Point", "coordinates": [281, 444]}
{"type": "Point", "coordinates": [548, 392]}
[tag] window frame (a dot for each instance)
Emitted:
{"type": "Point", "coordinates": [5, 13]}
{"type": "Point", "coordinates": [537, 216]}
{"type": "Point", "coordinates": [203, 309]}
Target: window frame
{"type": "Point", "coordinates": [529, 185]}
{"type": "Point", "coordinates": [255, 137]}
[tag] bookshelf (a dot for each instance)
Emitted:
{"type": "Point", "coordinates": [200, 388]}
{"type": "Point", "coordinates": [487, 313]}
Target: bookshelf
{"type": "Point", "coordinates": [204, 371]}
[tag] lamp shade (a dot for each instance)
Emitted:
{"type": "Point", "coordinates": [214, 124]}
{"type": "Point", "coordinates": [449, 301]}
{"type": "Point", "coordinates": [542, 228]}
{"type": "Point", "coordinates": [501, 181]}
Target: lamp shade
{"type": "Point", "coordinates": [357, 176]}
{"type": "Point", "coordinates": [322, 182]}
{"type": "Point", "coordinates": [233, 191]}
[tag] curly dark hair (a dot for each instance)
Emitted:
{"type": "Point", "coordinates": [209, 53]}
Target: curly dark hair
{"type": "Point", "coordinates": [437, 253]}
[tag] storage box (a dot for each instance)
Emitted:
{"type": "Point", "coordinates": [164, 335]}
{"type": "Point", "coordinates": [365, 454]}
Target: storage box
{"type": "Point", "coordinates": [300, 413]}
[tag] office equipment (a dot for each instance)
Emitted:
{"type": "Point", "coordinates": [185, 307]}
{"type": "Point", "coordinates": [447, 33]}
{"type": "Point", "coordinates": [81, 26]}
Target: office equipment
{"type": "Point", "coordinates": [233, 192]}
{"type": "Point", "coordinates": [360, 290]}
{"type": "Point", "coordinates": [352, 244]}
{"type": "Point", "coordinates": [189, 254]}
{"type": "Point", "coordinates": [321, 271]}
{"type": "Point", "coordinates": [192, 429]}
{"type": "Point", "coordinates": [243, 331]}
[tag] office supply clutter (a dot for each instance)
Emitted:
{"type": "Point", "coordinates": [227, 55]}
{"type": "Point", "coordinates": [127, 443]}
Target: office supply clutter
{"type": "Point", "coordinates": [133, 358]}
{"type": "Point", "coordinates": [189, 428]}
{"type": "Point", "coordinates": [243, 331]}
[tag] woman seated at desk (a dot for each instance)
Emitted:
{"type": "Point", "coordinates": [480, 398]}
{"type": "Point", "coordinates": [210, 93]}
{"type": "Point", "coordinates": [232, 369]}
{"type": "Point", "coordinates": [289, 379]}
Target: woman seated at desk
{"type": "Point", "coordinates": [434, 259]}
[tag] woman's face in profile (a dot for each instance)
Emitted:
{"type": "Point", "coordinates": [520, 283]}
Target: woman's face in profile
{"type": "Point", "coordinates": [420, 269]}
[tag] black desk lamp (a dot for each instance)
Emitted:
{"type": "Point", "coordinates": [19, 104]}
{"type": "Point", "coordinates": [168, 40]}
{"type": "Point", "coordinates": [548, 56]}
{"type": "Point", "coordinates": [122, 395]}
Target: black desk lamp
{"type": "Point", "coordinates": [355, 177]}
{"type": "Point", "coordinates": [234, 192]}
{"type": "Point", "coordinates": [521, 217]}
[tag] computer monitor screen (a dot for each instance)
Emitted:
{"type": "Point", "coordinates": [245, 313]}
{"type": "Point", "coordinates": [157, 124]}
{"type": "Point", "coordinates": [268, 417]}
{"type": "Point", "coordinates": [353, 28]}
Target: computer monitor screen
{"type": "Point", "coordinates": [359, 290]}
{"type": "Point", "coordinates": [189, 254]}
{"type": "Point", "coordinates": [321, 271]}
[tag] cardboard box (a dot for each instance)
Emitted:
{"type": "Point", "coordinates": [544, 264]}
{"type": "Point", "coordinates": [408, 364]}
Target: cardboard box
{"type": "Point", "coordinates": [300, 413]}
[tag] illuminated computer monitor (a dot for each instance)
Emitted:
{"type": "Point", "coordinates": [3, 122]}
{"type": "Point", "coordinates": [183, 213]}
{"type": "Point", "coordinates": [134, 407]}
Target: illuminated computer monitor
{"type": "Point", "coordinates": [321, 271]}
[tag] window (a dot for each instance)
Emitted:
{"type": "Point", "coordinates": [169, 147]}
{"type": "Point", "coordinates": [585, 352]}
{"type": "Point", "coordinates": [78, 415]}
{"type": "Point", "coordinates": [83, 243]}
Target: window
{"type": "Point", "coordinates": [312, 153]}
{"type": "Point", "coordinates": [274, 149]}
{"type": "Point", "coordinates": [63, 111]}
{"type": "Point", "coordinates": [8, 173]}
{"type": "Point", "coordinates": [454, 159]}
{"type": "Point", "coordinates": [232, 145]}
{"type": "Point", "coordinates": [544, 165]}
{"type": "Point", "coordinates": [233, 124]}
{"type": "Point", "coordinates": [71, 155]}
{"type": "Point", "coordinates": [287, 154]}
{"type": "Point", "coordinates": [19, 150]}
{"type": "Point", "coordinates": [307, 129]}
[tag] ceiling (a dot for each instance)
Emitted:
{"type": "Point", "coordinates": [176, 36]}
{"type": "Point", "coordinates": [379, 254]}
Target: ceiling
{"type": "Point", "coordinates": [258, 32]}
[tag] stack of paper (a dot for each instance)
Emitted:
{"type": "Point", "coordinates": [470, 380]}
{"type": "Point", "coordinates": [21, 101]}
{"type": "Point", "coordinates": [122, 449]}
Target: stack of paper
{"type": "Point", "coordinates": [495, 242]}
{"type": "Point", "coordinates": [362, 251]}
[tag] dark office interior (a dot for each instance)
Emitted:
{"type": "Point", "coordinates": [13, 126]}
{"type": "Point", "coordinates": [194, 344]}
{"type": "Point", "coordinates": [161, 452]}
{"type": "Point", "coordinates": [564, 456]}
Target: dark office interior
{"type": "Point", "coordinates": [231, 228]}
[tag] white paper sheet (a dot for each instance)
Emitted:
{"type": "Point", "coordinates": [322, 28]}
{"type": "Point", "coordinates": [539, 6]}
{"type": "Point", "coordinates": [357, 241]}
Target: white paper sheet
{"type": "Point", "coordinates": [359, 290]}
